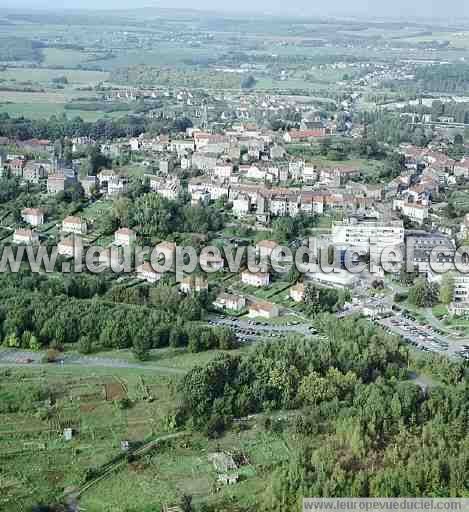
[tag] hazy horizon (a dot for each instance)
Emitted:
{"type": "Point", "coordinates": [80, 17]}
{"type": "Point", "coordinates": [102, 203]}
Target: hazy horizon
{"type": "Point", "coordinates": [451, 9]}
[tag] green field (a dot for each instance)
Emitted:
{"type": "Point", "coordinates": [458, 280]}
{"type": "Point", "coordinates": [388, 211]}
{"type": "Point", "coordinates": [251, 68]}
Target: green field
{"type": "Point", "coordinates": [45, 75]}
{"type": "Point", "coordinates": [65, 58]}
{"type": "Point", "coordinates": [47, 101]}
{"type": "Point", "coordinates": [456, 39]}
{"type": "Point", "coordinates": [45, 110]}
{"type": "Point", "coordinates": [86, 399]}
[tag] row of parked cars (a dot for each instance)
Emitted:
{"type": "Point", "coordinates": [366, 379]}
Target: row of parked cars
{"type": "Point", "coordinates": [422, 337]}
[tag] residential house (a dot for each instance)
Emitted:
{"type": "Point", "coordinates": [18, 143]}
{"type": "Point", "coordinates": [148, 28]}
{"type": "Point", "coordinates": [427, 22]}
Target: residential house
{"type": "Point", "coordinates": [57, 184]}
{"type": "Point", "coordinates": [166, 165]}
{"type": "Point", "coordinates": [16, 167]}
{"type": "Point", "coordinates": [230, 302]}
{"type": "Point", "coordinates": [417, 213]}
{"type": "Point", "coordinates": [241, 205]}
{"type": "Point", "coordinates": [204, 161]}
{"type": "Point", "coordinates": [182, 146]}
{"type": "Point", "coordinates": [193, 284]}
{"type": "Point", "coordinates": [310, 174]}
{"type": "Point", "coordinates": [105, 176]}
{"type": "Point", "coordinates": [263, 310]}
{"type": "Point", "coordinates": [75, 225]}
{"type": "Point", "coordinates": [33, 216]}
{"type": "Point", "coordinates": [223, 171]}
{"type": "Point", "coordinates": [146, 272]}
{"type": "Point", "coordinates": [125, 236]}
{"type": "Point", "coordinates": [169, 188]}
{"type": "Point", "coordinates": [36, 170]}
{"type": "Point", "coordinates": [117, 187]}
{"type": "Point", "coordinates": [25, 236]}
{"type": "Point", "coordinates": [257, 279]}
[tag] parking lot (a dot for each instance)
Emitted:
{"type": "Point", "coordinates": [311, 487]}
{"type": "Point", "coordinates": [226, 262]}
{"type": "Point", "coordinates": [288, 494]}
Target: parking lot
{"type": "Point", "coordinates": [425, 337]}
{"type": "Point", "coordinates": [254, 330]}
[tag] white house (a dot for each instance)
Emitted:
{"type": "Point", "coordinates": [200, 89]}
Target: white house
{"type": "Point", "coordinates": [257, 279]}
{"type": "Point", "coordinates": [105, 176]}
{"type": "Point", "coordinates": [241, 205]}
{"type": "Point", "coordinates": [33, 216]}
{"type": "Point", "coordinates": [230, 301]}
{"type": "Point", "coordinates": [25, 236]}
{"type": "Point", "coordinates": [223, 171]}
{"type": "Point", "coordinates": [125, 236]}
{"type": "Point", "coordinates": [117, 187]}
{"type": "Point", "coordinates": [74, 225]}
{"type": "Point", "coordinates": [146, 272]}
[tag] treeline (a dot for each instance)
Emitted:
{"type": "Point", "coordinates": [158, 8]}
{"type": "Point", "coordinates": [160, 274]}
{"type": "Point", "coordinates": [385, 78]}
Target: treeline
{"type": "Point", "coordinates": [37, 311]}
{"type": "Point", "coordinates": [93, 106]}
{"type": "Point", "coordinates": [57, 127]}
{"type": "Point", "coordinates": [448, 78]}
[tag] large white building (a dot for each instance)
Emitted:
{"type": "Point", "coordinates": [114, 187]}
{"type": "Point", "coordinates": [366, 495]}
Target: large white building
{"type": "Point", "coordinates": [339, 279]}
{"type": "Point", "coordinates": [371, 236]}
{"type": "Point", "coordinates": [460, 304]}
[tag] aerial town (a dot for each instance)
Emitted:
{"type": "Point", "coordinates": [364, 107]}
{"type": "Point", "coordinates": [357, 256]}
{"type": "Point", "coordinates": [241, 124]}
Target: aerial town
{"type": "Point", "coordinates": [237, 383]}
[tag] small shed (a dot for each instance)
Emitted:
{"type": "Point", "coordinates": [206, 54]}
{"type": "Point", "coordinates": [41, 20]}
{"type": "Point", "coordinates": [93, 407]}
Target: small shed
{"type": "Point", "coordinates": [68, 434]}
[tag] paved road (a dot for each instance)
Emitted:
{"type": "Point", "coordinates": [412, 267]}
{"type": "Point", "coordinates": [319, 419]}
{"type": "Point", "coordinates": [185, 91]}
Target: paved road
{"type": "Point", "coordinates": [14, 357]}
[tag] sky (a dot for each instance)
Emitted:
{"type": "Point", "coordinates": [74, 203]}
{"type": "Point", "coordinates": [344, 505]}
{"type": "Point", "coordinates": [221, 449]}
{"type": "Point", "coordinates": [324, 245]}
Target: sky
{"type": "Point", "coordinates": [454, 9]}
